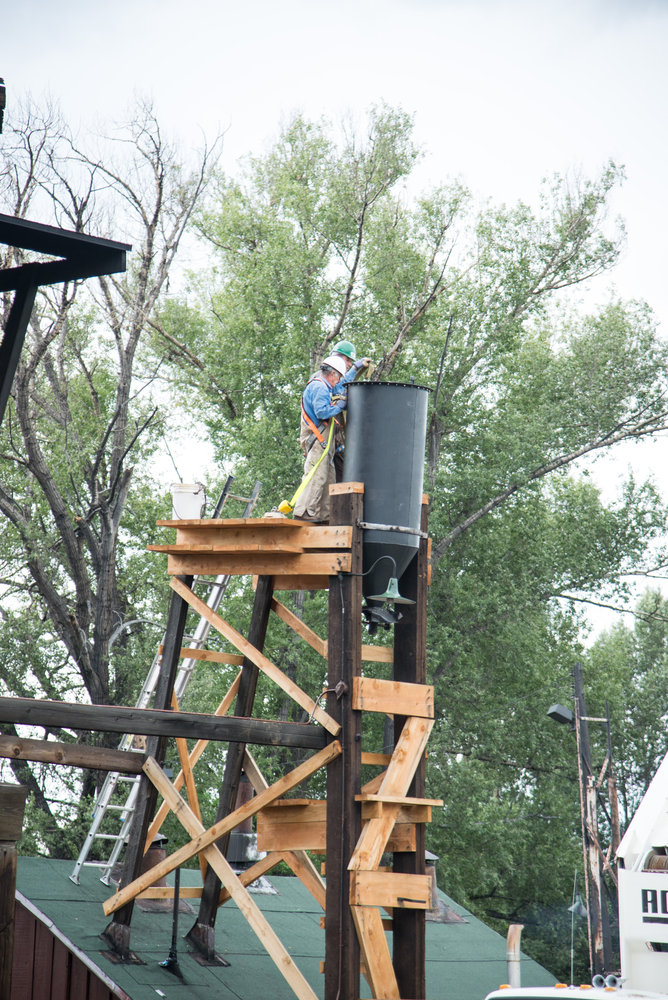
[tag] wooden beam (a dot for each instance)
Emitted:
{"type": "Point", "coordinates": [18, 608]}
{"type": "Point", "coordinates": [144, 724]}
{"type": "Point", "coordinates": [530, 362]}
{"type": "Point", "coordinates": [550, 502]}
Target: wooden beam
{"type": "Point", "coordinates": [288, 581]}
{"type": "Point", "coordinates": [156, 722]}
{"type": "Point", "coordinates": [375, 952]}
{"type": "Point", "coordinates": [202, 934]}
{"type": "Point", "coordinates": [72, 755]}
{"type": "Point", "coordinates": [194, 756]}
{"type": "Point", "coordinates": [299, 627]}
{"type": "Point", "coordinates": [245, 902]}
{"type": "Point", "coordinates": [297, 860]}
{"type": "Point", "coordinates": [390, 890]}
{"type": "Point", "coordinates": [305, 829]}
{"type": "Point", "coordinates": [410, 665]}
{"type": "Point", "coordinates": [252, 874]}
{"type": "Point", "coordinates": [371, 694]}
{"type": "Point", "coordinates": [263, 532]}
{"type": "Point", "coordinates": [342, 949]}
{"type": "Point", "coordinates": [210, 655]}
{"type": "Point", "coordinates": [185, 853]}
{"type": "Point", "coordinates": [117, 932]}
{"type": "Point", "coordinates": [259, 659]}
{"type": "Point", "coordinates": [302, 866]}
{"type": "Point", "coordinates": [262, 563]}
{"type": "Point", "coordinates": [398, 777]}
{"type": "Point", "coordinates": [12, 806]}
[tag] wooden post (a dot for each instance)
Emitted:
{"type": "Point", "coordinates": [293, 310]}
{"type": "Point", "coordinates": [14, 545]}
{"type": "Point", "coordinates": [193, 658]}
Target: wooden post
{"type": "Point", "coordinates": [117, 933]}
{"type": "Point", "coordinates": [344, 775]}
{"type": "Point", "coordinates": [12, 806]}
{"type": "Point", "coordinates": [410, 665]}
{"type": "Point", "coordinates": [202, 933]}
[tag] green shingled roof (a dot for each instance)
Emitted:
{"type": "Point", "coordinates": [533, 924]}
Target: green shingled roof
{"type": "Point", "coordinates": [465, 960]}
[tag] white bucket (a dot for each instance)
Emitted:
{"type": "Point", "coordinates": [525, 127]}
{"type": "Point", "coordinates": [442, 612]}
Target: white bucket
{"type": "Point", "coordinates": [188, 501]}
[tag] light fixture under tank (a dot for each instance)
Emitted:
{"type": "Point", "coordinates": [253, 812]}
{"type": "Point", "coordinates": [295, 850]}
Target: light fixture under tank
{"type": "Point", "coordinates": [391, 593]}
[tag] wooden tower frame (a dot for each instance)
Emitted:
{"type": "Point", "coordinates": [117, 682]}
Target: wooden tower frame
{"type": "Point", "coordinates": [357, 824]}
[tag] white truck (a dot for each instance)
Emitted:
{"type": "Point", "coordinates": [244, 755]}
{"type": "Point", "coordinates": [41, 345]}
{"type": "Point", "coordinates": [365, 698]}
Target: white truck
{"type": "Point", "coordinates": [643, 912]}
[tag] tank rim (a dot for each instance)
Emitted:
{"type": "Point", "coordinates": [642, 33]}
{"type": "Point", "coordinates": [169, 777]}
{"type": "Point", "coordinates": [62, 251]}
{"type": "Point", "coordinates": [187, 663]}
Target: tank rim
{"type": "Point", "coordinates": [407, 385]}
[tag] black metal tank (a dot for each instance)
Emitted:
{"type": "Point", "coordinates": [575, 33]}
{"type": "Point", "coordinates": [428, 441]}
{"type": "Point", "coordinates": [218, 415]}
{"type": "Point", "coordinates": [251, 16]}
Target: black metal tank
{"type": "Point", "coordinates": [385, 444]}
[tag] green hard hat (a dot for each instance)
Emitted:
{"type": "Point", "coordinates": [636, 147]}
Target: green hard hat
{"type": "Point", "coordinates": [346, 348]}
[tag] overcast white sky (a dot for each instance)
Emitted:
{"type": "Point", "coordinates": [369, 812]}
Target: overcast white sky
{"type": "Point", "coordinates": [504, 92]}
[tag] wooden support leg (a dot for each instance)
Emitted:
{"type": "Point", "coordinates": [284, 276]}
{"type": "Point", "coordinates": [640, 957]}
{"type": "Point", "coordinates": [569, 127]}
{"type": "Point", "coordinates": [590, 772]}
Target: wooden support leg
{"type": "Point", "coordinates": [12, 806]}
{"type": "Point", "coordinates": [344, 775]}
{"type": "Point", "coordinates": [202, 934]}
{"type": "Point", "coordinates": [117, 933]}
{"type": "Point", "coordinates": [410, 665]}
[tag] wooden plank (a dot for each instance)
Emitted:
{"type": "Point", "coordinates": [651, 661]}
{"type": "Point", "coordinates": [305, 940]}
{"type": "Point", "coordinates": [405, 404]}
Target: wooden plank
{"type": "Point", "coordinates": [377, 654]}
{"type": "Point", "coordinates": [407, 755]}
{"type": "Point", "coordinates": [295, 536]}
{"type": "Point", "coordinates": [269, 523]}
{"type": "Point", "coordinates": [259, 659]}
{"type": "Point", "coordinates": [387, 926]}
{"type": "Point", "coordinates": [167, 892]}
{"type": "Point", "coordinates": [299, 627]}
{"type": "Point", "coordinates": [315, 810]}
{"type": "Point", "coordinates": [43, 962]}
{"type": "Point", "coordinates": [159, 722]}
{"type": "Point", "coordinates": [276, 835]}
{"type": "Point", "coordinates": [210, 655]}
{"type": "Point", "coordinates": [371, 694]}
{"type": "Point", "coordinates": [297, 860]}
{"type": "Point", "coordinates": [191, 790]}
{"type": "Point", "coordinates": [405, 800]}
{"type": "Point", "coordinates": [194, 756]}
{"type": "Point", "coordinates": [375, 952]}
{"type": "Point", "coordinates": [71, 754]}
{"type": "Point", "coordinates": [343, 489]}
{"type": "Point", "coordinates": [262, 563]}
{"type": "Point", "coordinates": [20, 973]}
{"type": "Point", "coordinates": [342, 952]}
{"type": "Point", "coordinates": [201, 935]}
{"type": "Point", "coordinates": [12, 808]}
{"type": "Point", "coordinates": [286, 581]}
{"type": "Point", "coordinates": [215, 548]}
{"type": "Point", "coordinates": [390, 890]}
{"type": "Point", "coordinates": [183, 854]}
{"type": "Point", "coordinates": [381, 759]}
{"type": "Point", "coordinates": [410, 665]}
{"type": "Point", "coordinates": [373, 654]}
{"type": "Point", "coordinates": [60, 972]}
{"type": "Point", "coordinates": [252, 874]}
{"type": "Point", "coordinates": [246, 904]}
{"type": "Point", "coordinates": [117, 932]}
{"type": "Point", "coordinates": [302, 866]}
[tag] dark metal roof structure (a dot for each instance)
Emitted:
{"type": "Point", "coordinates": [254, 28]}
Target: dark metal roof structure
{"type": "Point", "coordinates": [77, 256]}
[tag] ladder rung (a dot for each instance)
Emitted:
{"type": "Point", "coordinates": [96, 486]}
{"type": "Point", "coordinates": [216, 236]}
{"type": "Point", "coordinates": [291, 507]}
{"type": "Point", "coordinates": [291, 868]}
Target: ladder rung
{"type": "Point", "coordinates": [106, 836]}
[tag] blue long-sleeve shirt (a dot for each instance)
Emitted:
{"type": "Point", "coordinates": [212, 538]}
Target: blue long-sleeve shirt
{"type": "Point", "coordinates": [317, 397]}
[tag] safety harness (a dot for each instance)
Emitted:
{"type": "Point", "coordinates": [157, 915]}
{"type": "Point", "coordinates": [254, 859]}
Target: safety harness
{"type": "Point", "coordinates": [317, 432]}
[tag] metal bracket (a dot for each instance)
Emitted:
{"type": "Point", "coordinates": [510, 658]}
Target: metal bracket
{"type": "Point", "coordinates": [369, 526]}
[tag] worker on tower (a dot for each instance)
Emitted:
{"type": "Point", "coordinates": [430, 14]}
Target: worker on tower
{"type": "Point", "coordinates": [321, 431]}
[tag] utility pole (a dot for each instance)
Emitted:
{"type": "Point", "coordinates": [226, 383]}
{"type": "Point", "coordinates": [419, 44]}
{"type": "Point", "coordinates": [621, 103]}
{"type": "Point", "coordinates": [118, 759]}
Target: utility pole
{"type": "Point", "coordinates": [600, 948]}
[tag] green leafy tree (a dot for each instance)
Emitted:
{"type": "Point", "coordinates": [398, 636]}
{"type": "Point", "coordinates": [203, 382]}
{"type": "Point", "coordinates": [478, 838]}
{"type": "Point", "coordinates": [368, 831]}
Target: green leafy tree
{"type": "Point", "coordinates": [320, 239]}
{"type": "Point", "coordinates": [79, 615]}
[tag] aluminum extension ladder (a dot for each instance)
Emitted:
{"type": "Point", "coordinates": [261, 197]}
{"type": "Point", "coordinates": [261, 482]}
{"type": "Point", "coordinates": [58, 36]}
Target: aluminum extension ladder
{"type": "Point", "coordinates": [125, 811]}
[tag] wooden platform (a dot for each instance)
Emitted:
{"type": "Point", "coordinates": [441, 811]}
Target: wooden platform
{"type": "Point", "coordinates": [297, 554]}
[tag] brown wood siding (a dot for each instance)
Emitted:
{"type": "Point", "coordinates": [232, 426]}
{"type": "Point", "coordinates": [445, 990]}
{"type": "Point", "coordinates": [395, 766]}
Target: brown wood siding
{"type": "Point", "coordinates": [44, 968]}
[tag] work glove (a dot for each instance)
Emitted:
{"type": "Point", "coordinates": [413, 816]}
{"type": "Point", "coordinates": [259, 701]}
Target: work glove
{"type": "Point", "coordinates": [361, 363]}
